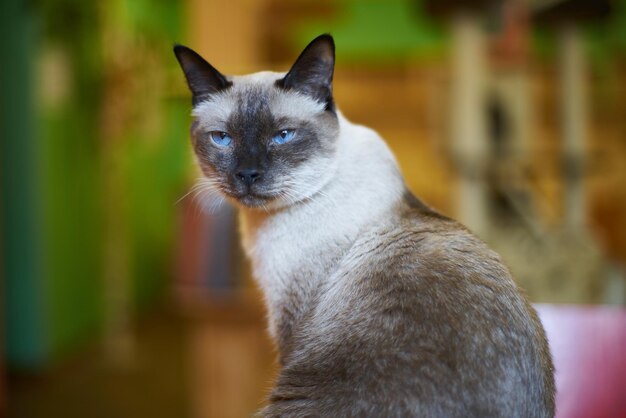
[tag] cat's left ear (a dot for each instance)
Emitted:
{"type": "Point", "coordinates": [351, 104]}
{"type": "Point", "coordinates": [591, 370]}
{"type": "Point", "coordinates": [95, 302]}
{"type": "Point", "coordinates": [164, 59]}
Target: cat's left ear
{"type": "Point", "coordinates": [202, 78]}
{"type": "Point", "coordinates": [312, 73]}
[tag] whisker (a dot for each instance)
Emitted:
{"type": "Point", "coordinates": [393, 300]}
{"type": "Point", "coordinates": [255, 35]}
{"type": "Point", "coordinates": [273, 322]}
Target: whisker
{"type": "Point", "coordinates": [197, 184]}
{"type": "Point", "coordinates": [206, 195]}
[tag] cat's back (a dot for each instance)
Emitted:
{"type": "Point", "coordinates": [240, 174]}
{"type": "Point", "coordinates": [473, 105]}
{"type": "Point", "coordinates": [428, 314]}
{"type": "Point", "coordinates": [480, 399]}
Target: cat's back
{"type": "Point", "coordinates": [420, 319]}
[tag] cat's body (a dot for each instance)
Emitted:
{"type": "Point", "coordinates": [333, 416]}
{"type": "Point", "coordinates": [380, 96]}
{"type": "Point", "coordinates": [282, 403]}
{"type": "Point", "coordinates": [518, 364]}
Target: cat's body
{"type": "Point", "coordinates": [386, 309]}
{"type": "Point", "coordinates": [379, 306]}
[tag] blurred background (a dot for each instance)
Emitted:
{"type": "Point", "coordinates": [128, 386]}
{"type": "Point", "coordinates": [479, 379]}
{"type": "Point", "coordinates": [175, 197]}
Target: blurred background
{"type": "Point", "coordinates": [125, 296]}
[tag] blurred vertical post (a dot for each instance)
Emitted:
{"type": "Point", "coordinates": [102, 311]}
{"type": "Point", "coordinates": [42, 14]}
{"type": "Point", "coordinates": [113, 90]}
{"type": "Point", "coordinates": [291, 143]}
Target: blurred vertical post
{"type": "Point", "coordinates": [229, 350]}
{"type": "Point", "coordinates": [237, 54]}
{"type": "Point", "coordinates": [469, 130]}
{"type": "Point", "coordinates": [510, 118]}
{"type": "Point", "coordinates": [23, 287]}
{"type": "Point", "coordinates": [574, 114]}
{"type": "Point", "coordinates": [569, 17]}
{"type": "Point", "coordinates": [119, 340]}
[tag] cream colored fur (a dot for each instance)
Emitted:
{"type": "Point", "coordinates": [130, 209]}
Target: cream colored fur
{"type": "Point", "coordinates": [305, 236]}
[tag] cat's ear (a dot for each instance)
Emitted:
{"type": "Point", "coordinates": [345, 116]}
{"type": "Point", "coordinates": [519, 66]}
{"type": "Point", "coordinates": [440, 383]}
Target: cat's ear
{"type": "Point", "coordinates": [202, 78]}
{"type": "Point", "coordinates": [312, 73]}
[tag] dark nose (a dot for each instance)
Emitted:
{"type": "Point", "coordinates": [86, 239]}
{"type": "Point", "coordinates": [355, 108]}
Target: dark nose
{"type": "Point", "coordinates": [248, 175]}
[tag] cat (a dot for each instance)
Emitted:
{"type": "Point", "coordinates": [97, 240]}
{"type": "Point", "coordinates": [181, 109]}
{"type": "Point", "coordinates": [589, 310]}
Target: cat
{"type": "Point", "coordinates": [379, 305]}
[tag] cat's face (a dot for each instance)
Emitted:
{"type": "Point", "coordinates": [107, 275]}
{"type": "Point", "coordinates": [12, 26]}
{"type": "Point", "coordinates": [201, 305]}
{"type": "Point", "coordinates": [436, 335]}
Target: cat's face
{"type": "Point", "coordinates": [266, 139]}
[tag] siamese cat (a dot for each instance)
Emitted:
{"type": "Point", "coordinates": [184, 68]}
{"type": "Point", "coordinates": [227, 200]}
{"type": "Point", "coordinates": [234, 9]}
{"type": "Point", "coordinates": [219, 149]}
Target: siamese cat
{"type": "Point", "coordinates": [379, 305]}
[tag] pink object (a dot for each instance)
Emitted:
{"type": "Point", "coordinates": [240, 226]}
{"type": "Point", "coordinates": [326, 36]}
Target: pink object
{"type": "Point", "coordinates": [588, 345]}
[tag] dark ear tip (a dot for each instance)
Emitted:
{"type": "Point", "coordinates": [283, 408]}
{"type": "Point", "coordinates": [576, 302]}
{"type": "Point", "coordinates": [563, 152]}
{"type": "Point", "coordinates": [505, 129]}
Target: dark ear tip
{"type": "Point", "coordinates": [180, 49]}
{"type": "Point", "coordinates": [326, 38]}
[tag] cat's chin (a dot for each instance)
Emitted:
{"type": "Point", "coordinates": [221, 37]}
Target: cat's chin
{"type": "Point", "coordinates": [255, 201]}
{"type": "Point", "coordinates": [266, 203]}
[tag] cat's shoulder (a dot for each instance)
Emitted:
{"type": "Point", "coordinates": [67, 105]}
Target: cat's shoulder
{"type": "Point", "coordinates": [417, 241]}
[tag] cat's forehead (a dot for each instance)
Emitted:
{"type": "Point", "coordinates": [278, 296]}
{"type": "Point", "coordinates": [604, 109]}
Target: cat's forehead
{"type": "Point", "coordinates": [257, 91]}
{"type": "Point", "coordinates": [255, 79]}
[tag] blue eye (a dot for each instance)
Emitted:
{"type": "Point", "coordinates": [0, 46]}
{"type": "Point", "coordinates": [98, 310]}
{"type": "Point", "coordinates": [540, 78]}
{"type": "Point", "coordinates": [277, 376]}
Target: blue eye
{"type": "Point", "coordinates": [283, 136]}
{"type": "Point", "coordinates": [220, 138]}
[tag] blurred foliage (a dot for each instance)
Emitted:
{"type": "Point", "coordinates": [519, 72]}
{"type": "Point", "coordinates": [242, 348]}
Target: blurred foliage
{"type": "Point", "coordinates": [104, 121]}
{"type": "Point", "coordinates": [372, 30]}
{"type": "Point", "coordinates": [70, 164]}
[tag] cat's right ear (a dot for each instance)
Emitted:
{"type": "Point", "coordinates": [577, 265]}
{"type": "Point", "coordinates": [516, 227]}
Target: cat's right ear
{"type": "Point", "coordinates": [202, 78]}
{"type": "Point", "coordinates": [312, 73]}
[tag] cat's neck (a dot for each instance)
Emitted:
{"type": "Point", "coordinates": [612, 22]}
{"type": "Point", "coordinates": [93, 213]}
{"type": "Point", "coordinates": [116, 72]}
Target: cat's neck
{"type": "Point", "coordinates": [303, 242]}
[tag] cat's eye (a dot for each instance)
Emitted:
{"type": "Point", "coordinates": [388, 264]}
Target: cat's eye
{"type": "Point", "coordinates": [283, 136]}
{"type": "Point", "coordinates": [220, 138]}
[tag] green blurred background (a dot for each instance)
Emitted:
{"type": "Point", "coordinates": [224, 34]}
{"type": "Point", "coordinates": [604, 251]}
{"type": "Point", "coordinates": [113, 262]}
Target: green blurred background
{"type": "Point", "coordinates": [89, 126]}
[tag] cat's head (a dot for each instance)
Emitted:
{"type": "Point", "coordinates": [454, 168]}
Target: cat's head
{"type": "Point", "coordinates": [265, 139]}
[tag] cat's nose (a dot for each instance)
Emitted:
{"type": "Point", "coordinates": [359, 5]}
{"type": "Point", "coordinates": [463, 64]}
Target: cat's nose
{"type": "Point", "coordinates": [248, 176]}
